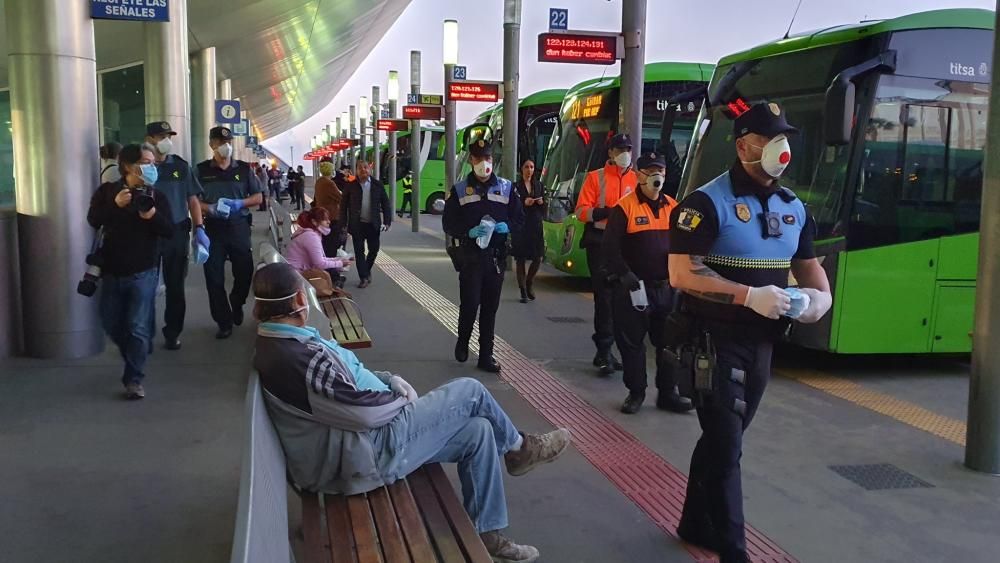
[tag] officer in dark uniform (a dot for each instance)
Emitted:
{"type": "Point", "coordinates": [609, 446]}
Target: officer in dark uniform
{"type": "Point", "coordinates": [230, 190]}
{"type": "Point", "coordinates": [732, 244]}
{"type": "Point", "coordinates": [635, 247]}
{"type": "Point", "coordinates": [176, 180]}
{"type": "Point", "coordinates": [481, 270]}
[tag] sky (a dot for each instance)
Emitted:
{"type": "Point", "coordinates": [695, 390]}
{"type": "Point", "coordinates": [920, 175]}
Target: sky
{"type": "Point", "coordinates": [676, 30]}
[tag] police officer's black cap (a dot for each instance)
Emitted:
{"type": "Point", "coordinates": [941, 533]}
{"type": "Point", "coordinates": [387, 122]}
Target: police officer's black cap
{"type": "Point", "coordinates": [159, 128]}
{"type": "Point", "coordinates": [222, 133]}
{"type": "Point", "coordinates": [481, 148]}
{"type": "Point", "coordinates": [649, 160]}
{"type": "Point", "coordinates": [620, 141]}
{"type": "Point", "coordinates": [767, 119]}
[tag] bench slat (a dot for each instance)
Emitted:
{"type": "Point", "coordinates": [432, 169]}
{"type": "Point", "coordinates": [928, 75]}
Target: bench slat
{"type": "Point", "coordinates": [437, 523]}
{"type": "Point", "coordinates": [346, 327]}
{"type": "Point", "coordinates": [317, 542]}
{"type": "Point", "coordinates": [339, 525]}
{"type": "Point", "coordinates": [365, 540]}
{"type": "Point", "coordinates": [466, 533]}
{"type": "Point", "coordinates": [409, 521]}
{"type": "Point", "coordinates": [393, 544]}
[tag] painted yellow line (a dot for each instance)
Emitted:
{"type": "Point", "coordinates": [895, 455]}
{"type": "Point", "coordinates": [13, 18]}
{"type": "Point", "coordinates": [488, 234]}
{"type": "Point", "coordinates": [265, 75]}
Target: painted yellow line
{"type": "Point", "coordinates": [897, 409]}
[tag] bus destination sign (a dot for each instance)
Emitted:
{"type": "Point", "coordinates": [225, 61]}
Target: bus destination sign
{"type": "Point", "coordinates": [579, 47]}
{"type": "Point", "coordinates": [426, 112]}
{"type": "Point", "coordinates": [465, 91]}
{"type": "Point", "coordinates": [393, 125]}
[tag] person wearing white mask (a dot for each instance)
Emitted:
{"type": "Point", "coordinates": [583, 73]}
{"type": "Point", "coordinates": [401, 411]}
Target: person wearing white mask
{"type": "Point", "coordinates": [601, 191]}
{"type": "Point", "coordinates": [733, 243]}
{"type": "Point", "coordinates": [480, 213]}
{"type": "Point", "coordinates": [635, 248]}
{"type": "Point", "coordinates": [176, 180]}
{"type": "Point", "coordinates": [230, 190]}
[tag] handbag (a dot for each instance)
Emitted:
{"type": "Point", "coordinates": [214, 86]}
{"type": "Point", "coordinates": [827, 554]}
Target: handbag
{"type": "Point", "coordinates": [323, 284]}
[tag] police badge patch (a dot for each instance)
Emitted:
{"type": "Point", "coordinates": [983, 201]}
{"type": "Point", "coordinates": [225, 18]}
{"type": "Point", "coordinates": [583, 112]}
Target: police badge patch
{"type": "Point", "coordinates": [642, 220]}
{"type": "Point", "coordinates": [743, 212]}
{"type": "Point", "coordinates": [688, 219]}
{"type": "Point", "coordinates": [469, 190]}
{"type": "Point", "coordinates": [788, 219]}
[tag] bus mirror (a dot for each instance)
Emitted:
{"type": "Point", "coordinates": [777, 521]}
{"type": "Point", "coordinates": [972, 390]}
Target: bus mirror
{"type": "Point", "coordinates": [839, 114]}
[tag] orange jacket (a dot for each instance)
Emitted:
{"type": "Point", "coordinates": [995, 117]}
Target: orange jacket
{"type": "Point", "coordinates": [616, 186]}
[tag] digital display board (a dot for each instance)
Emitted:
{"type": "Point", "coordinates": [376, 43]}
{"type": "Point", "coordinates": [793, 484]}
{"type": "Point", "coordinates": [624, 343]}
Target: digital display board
{"type": "Point", "coordinates": [393, 125]}
{"type": "Point", "coordinates": [578, 48]}
{"type": "Point", "coordinates": [474, 92]}
{"type": "Point", "coordinates": [586, 107]}
{"type": "Point", "coordinates": [432, 113]}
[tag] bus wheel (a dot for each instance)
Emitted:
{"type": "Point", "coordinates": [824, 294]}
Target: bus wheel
{"type": "Point", "coordinates": [435, 203]}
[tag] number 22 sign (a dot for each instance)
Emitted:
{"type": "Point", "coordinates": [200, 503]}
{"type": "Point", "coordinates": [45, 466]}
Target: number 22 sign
{"type": "Point", "coordinates": [558, 19]}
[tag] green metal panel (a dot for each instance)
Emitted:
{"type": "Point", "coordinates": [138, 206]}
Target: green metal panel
{"type": "Point", "coordinates": [566, 256]}
{"type": "Point", "coordinates": [958, 258]}
{"type": "Point", "coordinates": [838, 300]}
{"type": "Point", "coordinates": [953, 317]}
{"type": "Point", "coordinates": [950, 18]}
{"type": "Point", "coordinates": [874, 320]}
{"type": "Point", "coordinates": [552, 96]}
{"type": "Point", "coordinates": [654, 72]}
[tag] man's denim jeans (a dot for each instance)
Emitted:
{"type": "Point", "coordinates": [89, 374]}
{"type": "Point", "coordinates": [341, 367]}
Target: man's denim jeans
{"type": "Point", "coordinates": [126, 306]}
{"type": "Point", "coordinates": [458, 422]}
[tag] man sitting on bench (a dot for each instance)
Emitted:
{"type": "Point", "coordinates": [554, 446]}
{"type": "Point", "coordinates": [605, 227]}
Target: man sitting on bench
{"type": "Point", "coordinates": [348, 430]}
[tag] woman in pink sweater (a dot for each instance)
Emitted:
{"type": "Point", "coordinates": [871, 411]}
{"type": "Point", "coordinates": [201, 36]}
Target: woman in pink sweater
{"type": "Point", "coordinates": [305, 251]}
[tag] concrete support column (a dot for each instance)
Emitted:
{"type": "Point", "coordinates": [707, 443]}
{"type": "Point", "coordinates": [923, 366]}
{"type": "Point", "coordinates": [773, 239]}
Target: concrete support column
{"type": "Point", "coordinates": [167, 78]}
{"type": "Point", "coordinates": [203, 88]}
{"type": "Point", "coordinates": [53, 91]}
{"type": "Point", "coordinates": [633, 68]}
{"type": "Point", "coordinates": [225, 91]}
{"type": "Point", "coordinates": [511, 64]}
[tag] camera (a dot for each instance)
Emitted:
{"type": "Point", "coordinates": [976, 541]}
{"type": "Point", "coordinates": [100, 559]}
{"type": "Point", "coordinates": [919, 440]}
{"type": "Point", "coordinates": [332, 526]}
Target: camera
{"type": "Point", "coordinates": [88, 285]}
{"type": "Point", "coordinates": [142, 198]}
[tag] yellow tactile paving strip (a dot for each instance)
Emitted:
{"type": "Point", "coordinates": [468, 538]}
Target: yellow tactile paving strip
{"type": "Point", "coordinates": [897, 409]}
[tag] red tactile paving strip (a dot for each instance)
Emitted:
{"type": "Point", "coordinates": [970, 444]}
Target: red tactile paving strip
{"type": "Point", "coordinates": [640, 474]}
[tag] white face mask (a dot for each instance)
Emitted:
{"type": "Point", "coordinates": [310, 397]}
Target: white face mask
{"type": "Point", "coordinates": [623, 160]}
{"type": "Point", "coordinates": [652, 186]}
{"type": "Point", "coordinates": [774, 156]}
{"type": "Point", "coordinates": [165, 146]}
{"type": "Point", "coordinates": [483, 168]}
{"type": "Point", "coordinates": [225, 150]}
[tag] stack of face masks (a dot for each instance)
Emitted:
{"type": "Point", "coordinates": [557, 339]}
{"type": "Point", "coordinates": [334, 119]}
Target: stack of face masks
{"type": "Point", "coordinates": [489, 223]}
{"type": "Point", "coordinates": [800, 302]}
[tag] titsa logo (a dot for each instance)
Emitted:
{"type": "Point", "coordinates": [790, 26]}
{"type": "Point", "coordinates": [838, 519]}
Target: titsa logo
{"type": "Point", "coordinates": [959, 69]}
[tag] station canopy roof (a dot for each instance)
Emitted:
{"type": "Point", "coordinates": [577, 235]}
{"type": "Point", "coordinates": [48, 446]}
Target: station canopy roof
{"type": "Point", "coordinates": [286, 58]}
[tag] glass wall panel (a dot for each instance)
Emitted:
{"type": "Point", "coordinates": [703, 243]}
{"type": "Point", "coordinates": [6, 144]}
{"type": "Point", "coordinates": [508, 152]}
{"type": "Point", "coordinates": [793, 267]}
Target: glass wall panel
{"type": "Point", "coordinates": [123, 105]}
{"type": "Point", "coordinates": [6, 152]}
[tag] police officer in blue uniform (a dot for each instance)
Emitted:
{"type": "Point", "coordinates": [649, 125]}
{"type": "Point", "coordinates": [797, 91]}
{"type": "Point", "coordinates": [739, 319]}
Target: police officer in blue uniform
{"type": "Point", "coordinates": [176, 180]}
{"type": "Point", "coordinates": [230, 190]}
{"type": "Point", "coordinates": [732, 245]}
{"type": "Point", "coordinates": [481, 270]}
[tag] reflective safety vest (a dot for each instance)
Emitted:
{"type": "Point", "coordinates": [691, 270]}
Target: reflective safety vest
{"type": "Point", "coordinates": [640, 216]}
{"type": "Point", "coordinates": [603, 188]}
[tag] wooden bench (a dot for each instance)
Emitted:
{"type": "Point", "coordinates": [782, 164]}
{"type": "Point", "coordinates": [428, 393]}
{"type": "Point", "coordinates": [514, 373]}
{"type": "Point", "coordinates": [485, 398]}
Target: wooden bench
{"type": "Point", "coordinates": [347, 326]}
{"type": "Point", "coordinates": [418, 520]}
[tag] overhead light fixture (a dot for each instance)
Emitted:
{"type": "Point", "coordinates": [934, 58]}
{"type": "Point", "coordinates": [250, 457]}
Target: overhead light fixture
{"type": "Point", "coordinates": [393, 86]}
{"type": "Point", "coordinates": [450, 42]}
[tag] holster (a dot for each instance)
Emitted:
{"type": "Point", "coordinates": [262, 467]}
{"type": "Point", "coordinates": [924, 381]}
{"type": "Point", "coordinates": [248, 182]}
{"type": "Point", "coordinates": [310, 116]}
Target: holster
{"type": "Point", "coordinates": [453, 247]}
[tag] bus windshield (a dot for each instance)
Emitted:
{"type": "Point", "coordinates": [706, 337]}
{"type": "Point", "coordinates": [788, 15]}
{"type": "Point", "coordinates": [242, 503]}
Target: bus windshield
{"type": "Point", "coordinates": [587, 123]}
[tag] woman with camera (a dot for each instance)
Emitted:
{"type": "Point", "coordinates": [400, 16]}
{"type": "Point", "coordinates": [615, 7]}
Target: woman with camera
{"type": "Point", "coordinates": [134, 217]}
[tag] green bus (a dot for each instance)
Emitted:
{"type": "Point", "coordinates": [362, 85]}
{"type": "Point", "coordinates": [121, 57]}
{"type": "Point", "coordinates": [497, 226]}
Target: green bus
{"type": "Point", "coordinates": [589, 115]}
{"type": "Point", "coordinates": [432, 177]}
{"type": "Point", "coordinates": [536, 119]}
{"type": "Point", "coordinates": [889, 160]}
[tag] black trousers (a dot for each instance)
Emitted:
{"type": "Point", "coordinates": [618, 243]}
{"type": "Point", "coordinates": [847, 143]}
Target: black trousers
{"type": "Point", "coordinates": [604, 335]}
{"type": "Point", "coordinates": [714, 501]}
{"type": "Point", "coordinates": [479, 286]}
{"type": "Point", "coordinates": [174, 256]}
{"type": "Point", "coordinates": [407, 196]}
{"type": "Point", "coordinates": [300, 195]}
{"type": "Point", "coordinates": [632, 326]}
{"type": "Point", "coordinates": [365, 234]}
{"type": "Point", "coordinates": [230, 241]}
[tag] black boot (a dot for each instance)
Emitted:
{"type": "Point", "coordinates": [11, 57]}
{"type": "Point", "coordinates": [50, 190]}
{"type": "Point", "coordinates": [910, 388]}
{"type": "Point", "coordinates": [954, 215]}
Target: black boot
{"type": "Point", "coordinates": [633, 402]}
{"type": "Point", "coordinates": [462, 351]}
{"type": "Point", "coordinates": [531, 294]}
{"type": "Point", "coordinates": [488, 364]}
{"type": "Point", "coordinates": [524, 295]}
{"type": "Point", "coordinates": [602, 361]}
{"type": "Point", "coordinates": [673, 401]}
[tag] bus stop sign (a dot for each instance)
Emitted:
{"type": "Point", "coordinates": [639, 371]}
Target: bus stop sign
{"type": "Point", "coordinates": [580, 47]}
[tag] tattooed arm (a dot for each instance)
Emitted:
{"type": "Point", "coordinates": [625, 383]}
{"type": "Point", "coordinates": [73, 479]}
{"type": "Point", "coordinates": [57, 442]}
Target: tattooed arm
{"type": "Point", "coordinates": [689, 274]}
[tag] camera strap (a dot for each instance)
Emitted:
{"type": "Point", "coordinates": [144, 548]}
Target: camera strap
{"type": "Point", "coordinates": [98, 240]}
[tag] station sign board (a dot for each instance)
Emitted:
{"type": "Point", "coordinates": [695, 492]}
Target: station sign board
{"type": "Point", "coordinates": [425, 112]}
{"type": "Point", "coordinates": [241, 128]}
{"type": "Point", "coordinates": [467, 91]}
{"type": "Point", "coordinates": [227, 111]}
{"type": "Point", "coordinates": [558, 19]}
{"type": "Point", "coordinates": [135, 10]}
{"type": "Point", "coordinates": [580, 47]}
{"type": "Point", "coordinates": [431, 99]}
{"type": "Point", "coordinates": [392, 125]}
{"type": "Point", "coordinates": [459, 72]}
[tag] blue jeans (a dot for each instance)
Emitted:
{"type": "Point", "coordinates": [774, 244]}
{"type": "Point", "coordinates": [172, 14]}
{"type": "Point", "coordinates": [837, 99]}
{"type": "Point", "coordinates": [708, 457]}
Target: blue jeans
{"type": "Point", "coordinates": [126, 306]}
{"type": "Point", "coordinates": [459, 422]}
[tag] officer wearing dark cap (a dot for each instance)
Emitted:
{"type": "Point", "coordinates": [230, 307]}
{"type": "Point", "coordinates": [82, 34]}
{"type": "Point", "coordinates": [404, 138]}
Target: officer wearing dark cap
{"type": "Point", "coordinates": [176, 180]}
{"type": "Point", "coordinates": [481, 270]}
{"type": "Point", "coordinates": [602, 188]}
{"type": "Point", "coordinates": [230, 190]}
{"type": "Point", "coordinates": [635, 248]}
{"type": "Point", "coordinates": [732, 245]}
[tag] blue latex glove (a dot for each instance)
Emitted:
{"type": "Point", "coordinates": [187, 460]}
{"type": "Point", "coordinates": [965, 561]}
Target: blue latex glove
{"type": "Point", "coordinates": [502, 228]}
{"type": "Point", "coordinates": [234, 204]}
{"type": "Point", "coordinates": [477, 231]}
{"type": "Point", "coordinates": [200, 246]}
